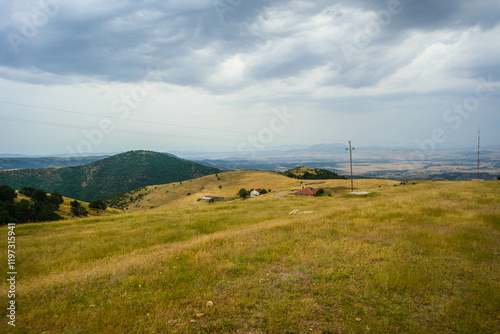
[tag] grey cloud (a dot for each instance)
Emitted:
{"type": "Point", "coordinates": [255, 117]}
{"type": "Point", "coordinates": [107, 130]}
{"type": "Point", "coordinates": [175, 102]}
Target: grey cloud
{"type": "Point", "coordinates": [118, 41]}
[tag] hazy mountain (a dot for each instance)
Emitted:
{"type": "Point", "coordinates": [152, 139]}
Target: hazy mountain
{"type": "Point", "coordinates": [326, 148]}
{"type": "Point", "coordinates": [33, 162]}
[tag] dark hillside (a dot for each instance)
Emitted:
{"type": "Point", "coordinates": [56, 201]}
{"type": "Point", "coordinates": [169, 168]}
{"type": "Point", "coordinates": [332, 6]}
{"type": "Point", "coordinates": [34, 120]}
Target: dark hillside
{"type": "Point", "coordinates": [108, 177]}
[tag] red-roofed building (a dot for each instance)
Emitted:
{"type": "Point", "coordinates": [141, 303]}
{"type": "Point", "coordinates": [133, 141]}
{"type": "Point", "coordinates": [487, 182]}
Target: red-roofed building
{"type": "Point", "coordinates": [208, 197]}
{"type": "Point", "coordinates": [307, 191]}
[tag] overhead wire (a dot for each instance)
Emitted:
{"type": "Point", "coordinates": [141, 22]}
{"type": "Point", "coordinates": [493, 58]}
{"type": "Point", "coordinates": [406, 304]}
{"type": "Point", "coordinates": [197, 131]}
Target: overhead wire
{"type": "Point", "coordinates": [83, 127]}
{"type": "Point", "coordinates": [143, 121]}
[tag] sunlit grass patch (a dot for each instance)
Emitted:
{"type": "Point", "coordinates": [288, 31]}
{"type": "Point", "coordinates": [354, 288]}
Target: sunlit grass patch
{"type": "Point", "coordinates": [492, 218]}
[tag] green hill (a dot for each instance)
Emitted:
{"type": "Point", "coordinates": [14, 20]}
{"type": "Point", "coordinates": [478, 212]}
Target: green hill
{"type": "Point", "coordinates": [306, 173]}
{"type": "Point", "coordinates": [108, 177]}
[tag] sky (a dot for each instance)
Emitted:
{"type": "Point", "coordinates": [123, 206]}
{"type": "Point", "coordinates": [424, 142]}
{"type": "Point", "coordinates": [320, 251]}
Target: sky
{"type": "Point", "coordinates": [245, 75]}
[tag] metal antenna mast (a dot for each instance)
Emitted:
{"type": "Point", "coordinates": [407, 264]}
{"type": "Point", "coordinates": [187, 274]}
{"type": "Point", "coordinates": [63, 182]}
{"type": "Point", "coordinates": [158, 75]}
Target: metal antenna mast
{"type": "Point", "coordinates": [350, 155]}
{"type": "Point", "coordinates": [478, 149]}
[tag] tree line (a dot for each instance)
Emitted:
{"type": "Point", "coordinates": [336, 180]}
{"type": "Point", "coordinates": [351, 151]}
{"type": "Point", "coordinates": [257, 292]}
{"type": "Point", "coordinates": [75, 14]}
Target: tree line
{"type": "Point", "coordinates": [40, 208]}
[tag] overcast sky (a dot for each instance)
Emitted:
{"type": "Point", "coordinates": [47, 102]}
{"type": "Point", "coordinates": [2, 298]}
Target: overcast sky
{"type": "Point", "coordinates": [203, 75]}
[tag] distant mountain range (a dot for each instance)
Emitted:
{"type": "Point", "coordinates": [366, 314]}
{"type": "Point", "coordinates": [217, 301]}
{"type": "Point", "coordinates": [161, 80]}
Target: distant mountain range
{"type": "Point", "coordinates": [42, 162]}
{"type": "Point", "coordinates": [368, 161]}
{"type": "Point", "coordinates": [109, 176]}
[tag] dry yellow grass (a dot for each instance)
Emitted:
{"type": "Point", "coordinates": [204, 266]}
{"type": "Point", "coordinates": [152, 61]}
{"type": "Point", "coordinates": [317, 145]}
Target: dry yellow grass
{"type": "Point", "coordinates": [231, 183]}
{"type": "Point", "coordinates": [65, 209]}
{"type": "Point", "coordinates": [413, 258]}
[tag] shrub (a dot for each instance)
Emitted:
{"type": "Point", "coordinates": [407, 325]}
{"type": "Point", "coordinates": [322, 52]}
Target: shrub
{"type": "Point", "coordinates": [320, 192]}
{"type": "Point", "coordinates": [77, 209]}
{"type": "Point", "coordinates": [98, 204]}
{"type": "Point", "coordinates": [243, 193]}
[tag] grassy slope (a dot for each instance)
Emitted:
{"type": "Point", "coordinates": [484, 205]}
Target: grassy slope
{"type": "Point", "coordinates": [231, 182]}
{"type": "Point", "coordinates": [414, 258]}
{"type": "Point", "coordinates": [299, 171]}
{"type": "Point", "coordinates": [65, 210]}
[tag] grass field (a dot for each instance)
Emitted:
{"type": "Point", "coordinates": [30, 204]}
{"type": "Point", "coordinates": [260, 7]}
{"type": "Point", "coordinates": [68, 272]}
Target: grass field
{"type": "Point", "coordinates": [418, 258]}
{"type": "Point", "coordinates": [228, 184]}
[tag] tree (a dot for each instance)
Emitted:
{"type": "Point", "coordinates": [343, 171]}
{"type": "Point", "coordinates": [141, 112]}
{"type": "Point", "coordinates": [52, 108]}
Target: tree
{"type": "Point", "coordinates": [27, 191]}
{"type": "Point", "coordinates": [24, 211]}
{"type": "Point", "coordinates": [56, 199]}
{"type": "Point", "coordinates": [320, 192]}
{"type": "Point", "coordinates": [39, 196]}
{"type": "Point", "coordinates": [243, 193]}
{"type": "Point", "coordinates": [307, 176]}
{"type": "Point", "coordinates": [46, 213]}
{"type": "Point", "coordinates": [77, 209]}
{"type": "Point", "coordinates": [5, 218]}
{"type": "Point", "coordinates": [263, 191]}
{"type": "Point", "coordinates": [10, 207]}
{"type": "Point", "coordinates": [98, 204]}
{"type": "Point", "coordinates": [7, 194]}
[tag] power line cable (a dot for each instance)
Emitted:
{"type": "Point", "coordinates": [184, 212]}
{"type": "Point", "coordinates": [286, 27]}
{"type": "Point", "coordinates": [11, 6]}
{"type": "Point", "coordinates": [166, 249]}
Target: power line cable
{"type": "Point", "coordinates": [74, 126]}
{"type": "Point", "coordinates": [148, 122]}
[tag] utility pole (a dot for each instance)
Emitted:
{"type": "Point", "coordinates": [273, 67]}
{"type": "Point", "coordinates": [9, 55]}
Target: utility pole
{"type": "Point", "coordinates": [350, 155]}
{"type": "Point", "coordinates": [478, 148]}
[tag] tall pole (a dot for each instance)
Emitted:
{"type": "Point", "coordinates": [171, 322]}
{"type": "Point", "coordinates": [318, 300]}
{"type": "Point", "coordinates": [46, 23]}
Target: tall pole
{"type": "Point", "coordinates": [350, 155]}
{"type": "Point", "coordinates": [478, 147]}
